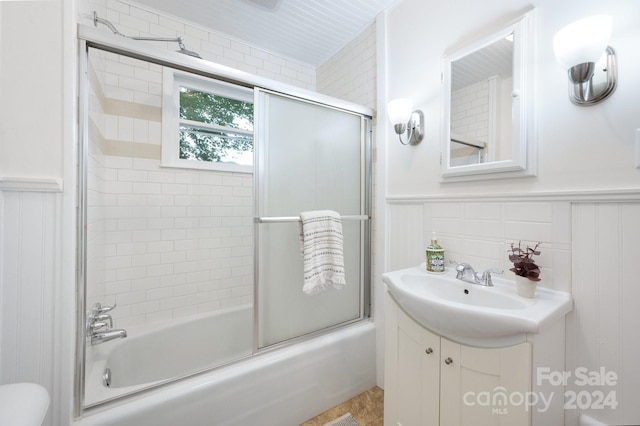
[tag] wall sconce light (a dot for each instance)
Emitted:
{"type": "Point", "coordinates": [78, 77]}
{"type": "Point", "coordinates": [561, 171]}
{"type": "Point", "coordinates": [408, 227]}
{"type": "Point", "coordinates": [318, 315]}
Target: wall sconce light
{"type": "Point", "coordinates": [583, 49]}
{"type": "Point", "coordinates": [406, 120]}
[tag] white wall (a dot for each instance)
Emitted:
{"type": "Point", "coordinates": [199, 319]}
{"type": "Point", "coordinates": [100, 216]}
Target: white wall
{"type": "Point", "coordinates": [36, 109]}
{"type": "Point", "coordinates": [585, 156]}
{"type": "Point", "coordinates": [30, 130]}
{"type": "Point", "coordinates": [578, 147]}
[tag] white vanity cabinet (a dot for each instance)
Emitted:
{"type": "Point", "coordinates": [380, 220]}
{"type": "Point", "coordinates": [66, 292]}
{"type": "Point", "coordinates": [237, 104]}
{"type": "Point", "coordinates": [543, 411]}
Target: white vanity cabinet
{"type": "Point", "coordinates": [476, 384]}
{"type": "Point", "coordinates": [431, 380]}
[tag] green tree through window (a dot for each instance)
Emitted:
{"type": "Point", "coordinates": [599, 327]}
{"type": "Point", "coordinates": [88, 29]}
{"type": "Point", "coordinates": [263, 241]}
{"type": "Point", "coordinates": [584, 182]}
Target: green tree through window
{"type": "Point", "coordinates": [215, 128]}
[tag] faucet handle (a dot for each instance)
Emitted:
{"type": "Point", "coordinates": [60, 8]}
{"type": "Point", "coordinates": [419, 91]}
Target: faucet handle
{"type": "Point", "coordinates": [98, 309]}
{"type": "Point", "coordinates": [103, 317]}
{"type": "Point", "coordinates": [104, 309]}
{"type": "Point", "coordinates": [95, 326]}
{"type": "Point", "coordinates": [462, 266]}
{"type": "Point", "coordinates": [486, 276]}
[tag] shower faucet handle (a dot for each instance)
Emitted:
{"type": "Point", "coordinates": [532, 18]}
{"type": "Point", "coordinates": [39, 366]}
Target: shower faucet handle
{"type": "Point", "coordinates": [95, 326]}
{"type": "Point", "coordinates": [105, 309]}
{"type": "Point", "coordinates": [98, 309]}
{"type": "Point", "coordinates": [104, 318]}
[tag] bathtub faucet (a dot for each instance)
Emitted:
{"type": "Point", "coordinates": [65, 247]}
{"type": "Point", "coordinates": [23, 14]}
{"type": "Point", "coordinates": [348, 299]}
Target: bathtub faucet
{"type": "Point", "coordinates": [104, 336]}
{"type": "Point", "coordinates": [99, 325]}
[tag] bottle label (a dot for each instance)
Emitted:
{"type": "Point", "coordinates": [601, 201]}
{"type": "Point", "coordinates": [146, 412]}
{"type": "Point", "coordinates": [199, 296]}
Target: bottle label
{"type": "Point", "coordinates": [435, 261]}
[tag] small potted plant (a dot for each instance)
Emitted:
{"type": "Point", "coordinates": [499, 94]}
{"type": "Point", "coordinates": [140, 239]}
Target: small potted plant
{"type": "Point", "coordinates": [525, 268]}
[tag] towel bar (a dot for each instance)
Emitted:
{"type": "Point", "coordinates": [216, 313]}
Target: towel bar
{"type": "Point", "coordinates": [276, 219]}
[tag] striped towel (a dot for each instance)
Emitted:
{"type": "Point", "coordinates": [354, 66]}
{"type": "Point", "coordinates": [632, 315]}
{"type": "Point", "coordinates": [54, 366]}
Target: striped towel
{"type": "Point", "coordinates": [322, 253]}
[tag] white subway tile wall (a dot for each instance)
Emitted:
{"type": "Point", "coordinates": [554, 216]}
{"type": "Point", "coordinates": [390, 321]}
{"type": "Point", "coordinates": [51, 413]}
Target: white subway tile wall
{"type": "Point", "coordinates": [133, 20]}
{"type": "Point", "coordinates": [166, 243]}
{"type": "Point", "coordinates": [162, 243]}
{"type": "Point", "coordinates": [480, 233]}
{"type": "Point", "coordinates": [351, 73]}
{"type": "Point", "coordinates": [470, 111]}
{"type": "Point", "coordinates": [96, 197]}
{"type": "Point", "coordinates": [174, 248]}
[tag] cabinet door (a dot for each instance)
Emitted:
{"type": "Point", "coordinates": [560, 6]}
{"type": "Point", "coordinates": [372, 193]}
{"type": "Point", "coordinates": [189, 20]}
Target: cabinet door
{"type": "Point", "coordinates": [418, 374]}
{"type": "Point", "coordinates": [430, 378]}
{"type": "Point", "coordinates": [481, 386]}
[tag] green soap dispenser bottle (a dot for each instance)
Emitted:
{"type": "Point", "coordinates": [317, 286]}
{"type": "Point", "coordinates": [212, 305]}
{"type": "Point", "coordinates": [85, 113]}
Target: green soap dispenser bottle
{"type": "Point", "coordinates": [435, 257]}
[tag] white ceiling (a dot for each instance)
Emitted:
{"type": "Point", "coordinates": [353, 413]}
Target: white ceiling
{"type": "Point", "coordinates": [310, 31]}
{"type": "Point", "coordinates": [495, 59]}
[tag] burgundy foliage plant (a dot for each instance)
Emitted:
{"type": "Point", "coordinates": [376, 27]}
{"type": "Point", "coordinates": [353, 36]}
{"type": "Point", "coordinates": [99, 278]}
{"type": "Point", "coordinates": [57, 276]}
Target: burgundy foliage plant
{"type": "Point", "coordinates": [523, 263]}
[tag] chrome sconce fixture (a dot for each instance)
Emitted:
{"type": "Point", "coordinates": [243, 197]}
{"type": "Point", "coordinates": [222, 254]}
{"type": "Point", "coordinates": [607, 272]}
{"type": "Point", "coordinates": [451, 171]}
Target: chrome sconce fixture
{"type": "Point", "coordinates": [406, 120]}
{"type": "Point", "coordinates": [582, 48]}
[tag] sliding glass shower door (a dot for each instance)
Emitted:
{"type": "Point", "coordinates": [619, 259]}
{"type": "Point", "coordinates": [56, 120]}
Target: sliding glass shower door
{"type": "Point", "coordinates": [310, 157]}
{"type": "Point", "coordinates": [182, 244]}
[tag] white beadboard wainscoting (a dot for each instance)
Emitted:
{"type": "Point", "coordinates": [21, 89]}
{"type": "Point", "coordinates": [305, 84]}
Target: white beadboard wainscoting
{"type": "Point", "coordinates": [29, 249]}
{"type": "Point", "coordinates": [590, 247]}
{"type": "Point", "coordinates": [602, 331]}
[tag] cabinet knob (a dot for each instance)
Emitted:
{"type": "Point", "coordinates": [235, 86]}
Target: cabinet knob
{"type": "Point", "coordinates": [429, 351]}
{"type": "Point", "coordinates": [448, 361]}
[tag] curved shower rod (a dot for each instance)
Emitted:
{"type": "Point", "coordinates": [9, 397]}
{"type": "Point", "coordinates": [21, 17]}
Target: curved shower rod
{"type": "Point", "coordinates": [179, 40]}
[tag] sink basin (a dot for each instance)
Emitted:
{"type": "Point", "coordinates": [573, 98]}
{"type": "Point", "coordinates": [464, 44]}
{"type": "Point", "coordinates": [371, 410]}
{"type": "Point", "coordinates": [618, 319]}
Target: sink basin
{"type": "Point", "coordinates": [471, 313]}
{"type": "Point", "coordinates": [440, 287]}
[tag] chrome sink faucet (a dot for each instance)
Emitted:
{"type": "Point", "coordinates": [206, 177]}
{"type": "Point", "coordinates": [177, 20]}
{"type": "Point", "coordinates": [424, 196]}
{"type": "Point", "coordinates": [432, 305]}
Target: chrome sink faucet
{"type": "Point", "coordinates": [465, 272]}
{"type": "Point", "coordinates": [99, 325]}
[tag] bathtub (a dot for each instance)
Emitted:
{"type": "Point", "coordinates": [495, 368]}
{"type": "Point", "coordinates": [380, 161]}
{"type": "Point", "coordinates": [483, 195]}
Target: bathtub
{"type": "Point", "coordinates": [283, 386]}
{"type": "Point", "coordinates": [147, 357]}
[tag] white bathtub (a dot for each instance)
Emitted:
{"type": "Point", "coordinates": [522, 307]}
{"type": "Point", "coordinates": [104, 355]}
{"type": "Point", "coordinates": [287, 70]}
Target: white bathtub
{"type": "Point", "coordinates": [285, 386]}
{"type": "Point", "coordinates": [147, 358]}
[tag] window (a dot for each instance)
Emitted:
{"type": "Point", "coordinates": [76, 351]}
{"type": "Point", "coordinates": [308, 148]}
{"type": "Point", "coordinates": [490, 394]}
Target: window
{"type": "Point", "coordinates": [207, 124]}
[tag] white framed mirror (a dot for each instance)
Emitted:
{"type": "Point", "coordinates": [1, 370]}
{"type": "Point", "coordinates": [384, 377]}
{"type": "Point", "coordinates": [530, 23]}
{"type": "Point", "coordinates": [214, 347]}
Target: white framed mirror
{"type": "Point", "coordinates": [488, 128]}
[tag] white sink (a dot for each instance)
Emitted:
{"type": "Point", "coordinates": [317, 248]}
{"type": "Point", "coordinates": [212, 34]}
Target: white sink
{"type": "Point", "coordinates": [471, 313]}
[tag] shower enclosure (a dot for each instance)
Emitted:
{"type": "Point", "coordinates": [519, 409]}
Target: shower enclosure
{"type": "Point", "coordinates": [194, 257]}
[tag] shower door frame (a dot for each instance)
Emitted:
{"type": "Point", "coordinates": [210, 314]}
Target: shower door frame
{"type": "Point", "coordinates": [366, 180]}
{"type": "Point", "coordinates": [89, 37]}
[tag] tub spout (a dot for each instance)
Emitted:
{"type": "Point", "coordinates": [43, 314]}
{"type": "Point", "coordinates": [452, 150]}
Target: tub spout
{"type": "Point", "coordinates": [105, 336]}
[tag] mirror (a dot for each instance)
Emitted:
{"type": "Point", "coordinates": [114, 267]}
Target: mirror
{"type": "Point", "coordinates": [488, 130]}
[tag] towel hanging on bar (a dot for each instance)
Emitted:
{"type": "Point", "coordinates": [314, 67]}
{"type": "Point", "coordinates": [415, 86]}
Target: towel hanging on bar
{"type": "Point", "coordinates": [322, 250]}
{"type": "Point", "coordinates": [278, 219]}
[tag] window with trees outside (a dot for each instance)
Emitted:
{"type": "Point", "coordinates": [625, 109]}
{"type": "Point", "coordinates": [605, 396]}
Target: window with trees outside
{"type": "Point", "coordinates": [207, 124]}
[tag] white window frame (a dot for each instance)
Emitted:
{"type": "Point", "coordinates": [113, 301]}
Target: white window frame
{"type": "Point", "coordinates": [172, 81]}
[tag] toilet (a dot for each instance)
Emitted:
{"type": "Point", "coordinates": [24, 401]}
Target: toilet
{"type": "Point", "coordinates": [23, 404]}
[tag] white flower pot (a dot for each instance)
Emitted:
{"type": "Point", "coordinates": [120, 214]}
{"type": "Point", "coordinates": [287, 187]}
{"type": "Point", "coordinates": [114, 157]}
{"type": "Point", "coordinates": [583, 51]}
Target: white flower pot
{"type": "Point", "coordinates": [525, 287]}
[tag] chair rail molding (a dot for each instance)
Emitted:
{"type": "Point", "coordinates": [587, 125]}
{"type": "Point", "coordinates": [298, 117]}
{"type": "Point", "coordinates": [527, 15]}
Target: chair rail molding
{"type": "Point", "coordinates": [596, 195]}
{"type": "Point", "coordinates": [30, 184]}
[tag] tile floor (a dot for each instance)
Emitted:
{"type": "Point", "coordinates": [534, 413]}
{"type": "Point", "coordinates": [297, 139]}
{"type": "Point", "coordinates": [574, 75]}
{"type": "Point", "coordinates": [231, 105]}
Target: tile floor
{"type": "Point", "coordinates": [366, 408]}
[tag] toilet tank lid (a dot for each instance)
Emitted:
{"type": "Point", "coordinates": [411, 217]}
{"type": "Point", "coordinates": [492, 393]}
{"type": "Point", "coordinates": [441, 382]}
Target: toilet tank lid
{"type": "Point", "coordinates": [23, 404]}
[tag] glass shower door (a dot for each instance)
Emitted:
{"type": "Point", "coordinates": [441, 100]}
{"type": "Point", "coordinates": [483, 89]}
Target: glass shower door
{"type": "Point", "coordinates": [309, 157]}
